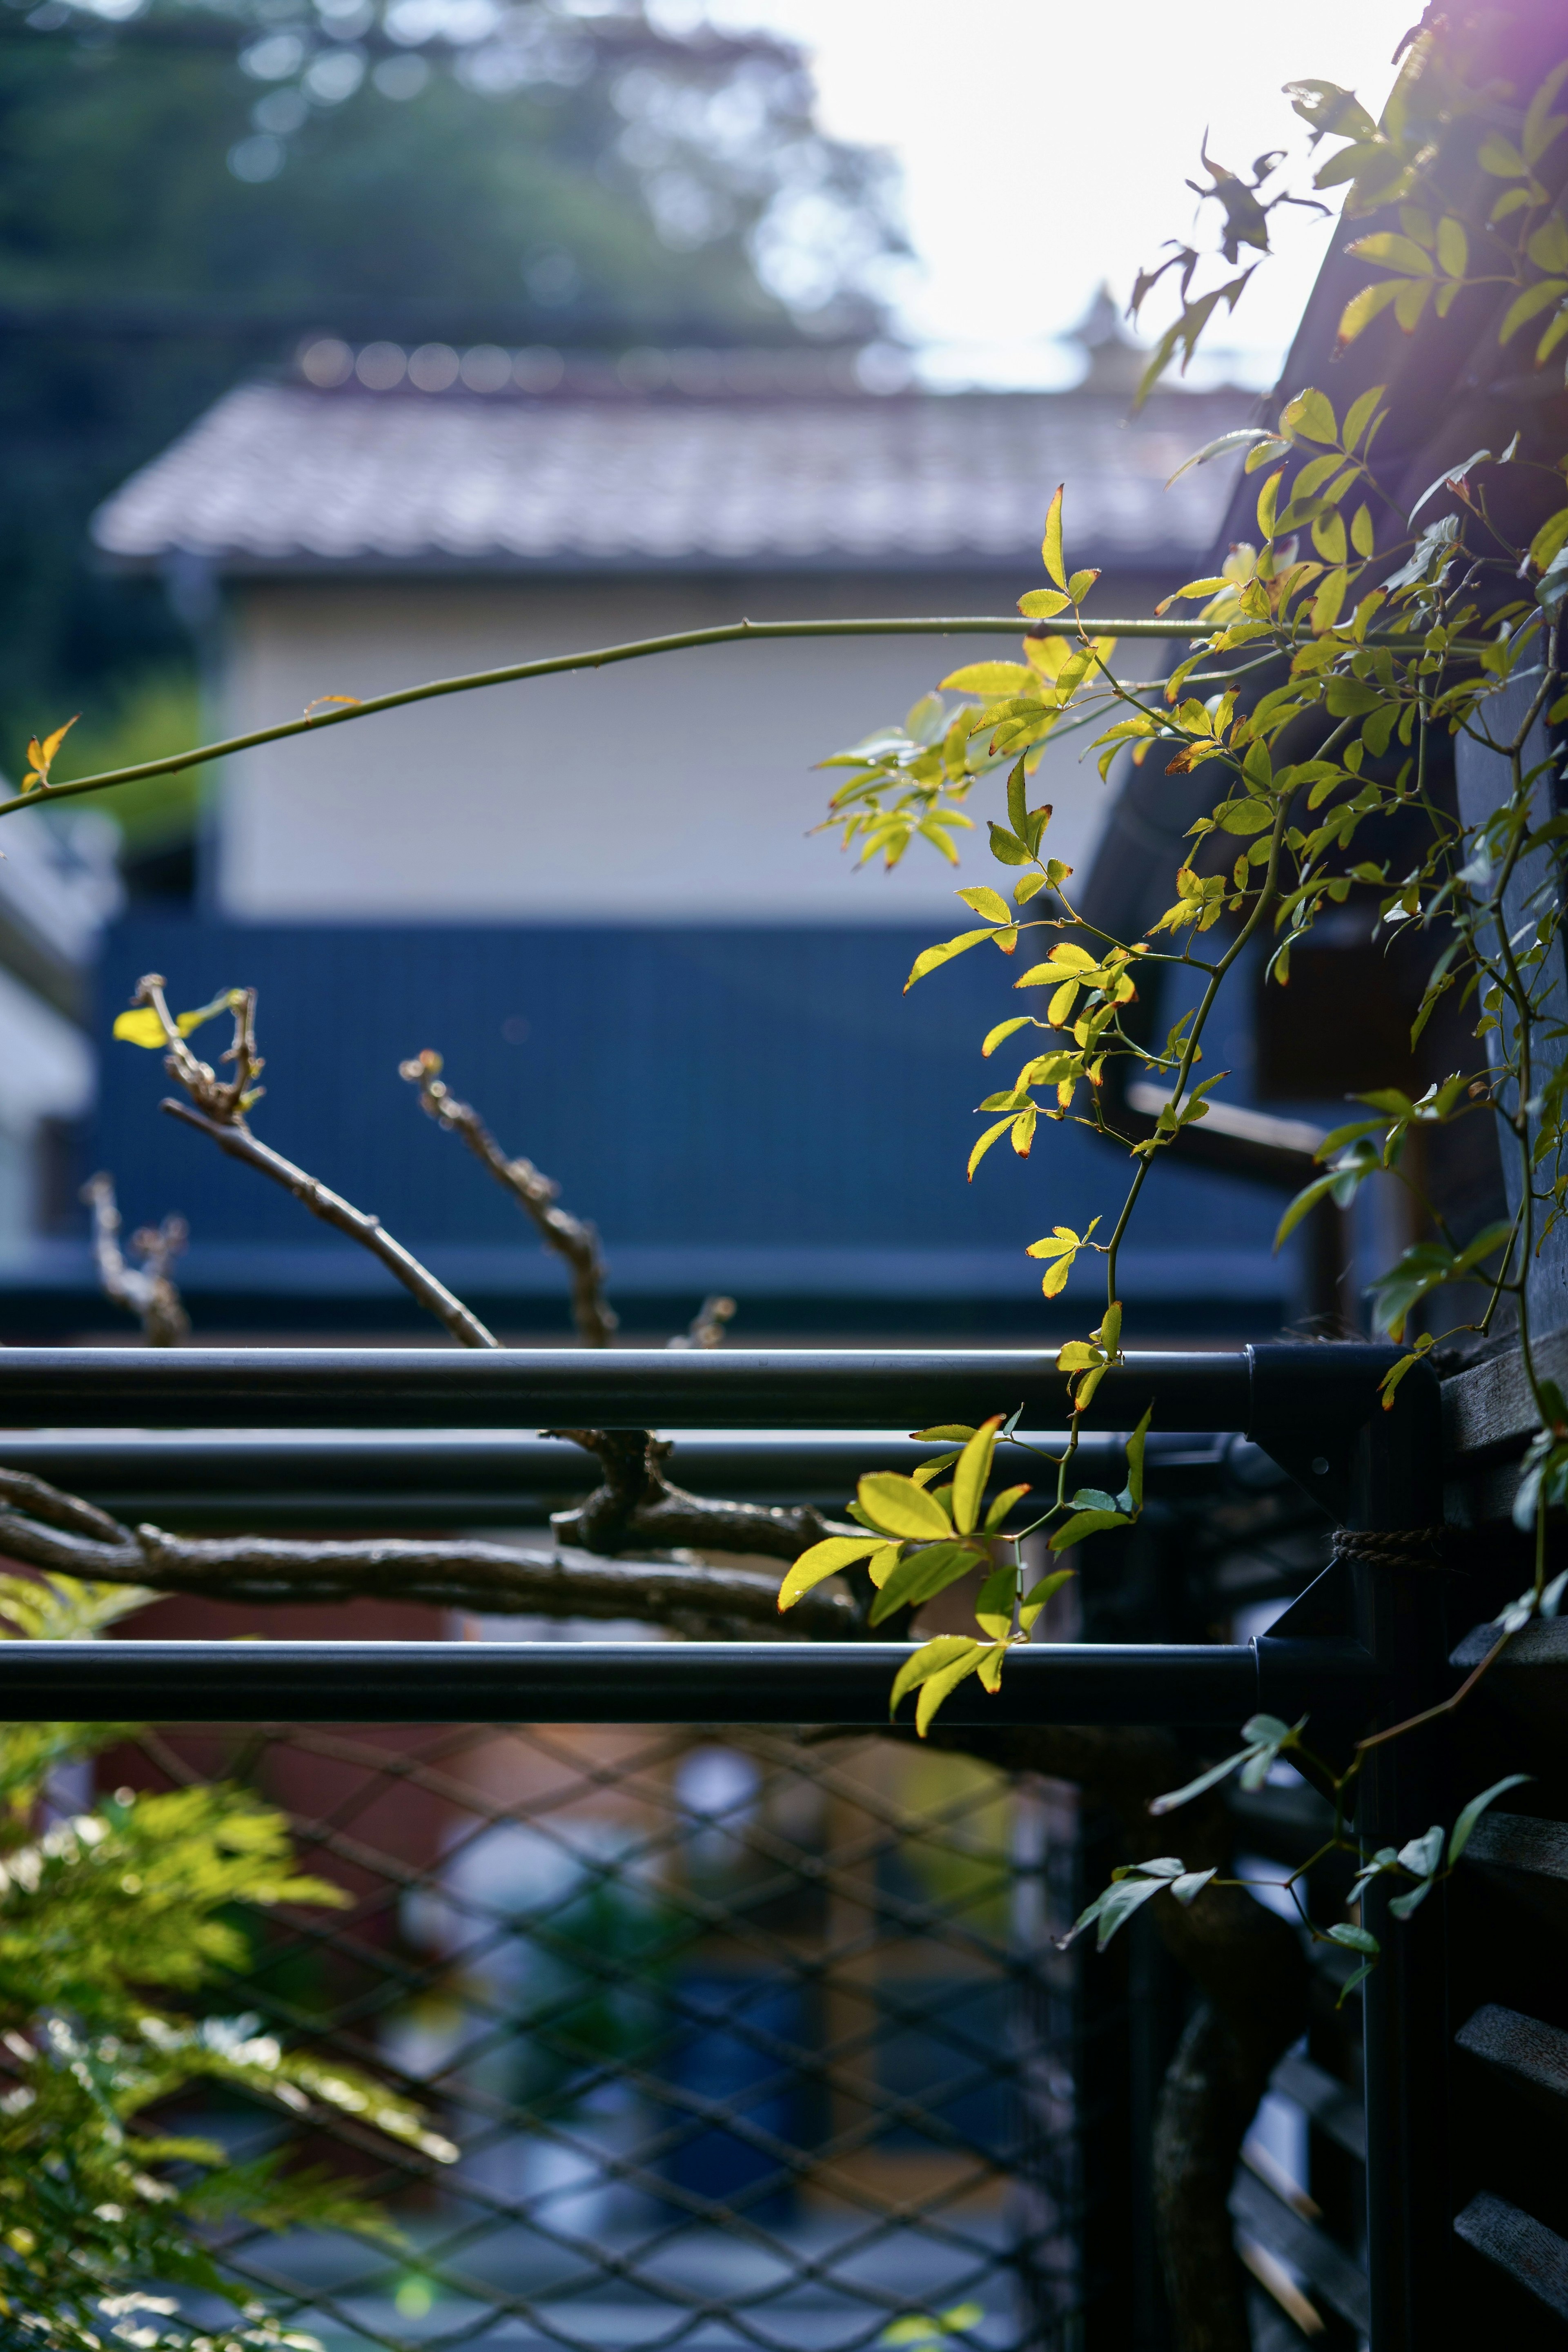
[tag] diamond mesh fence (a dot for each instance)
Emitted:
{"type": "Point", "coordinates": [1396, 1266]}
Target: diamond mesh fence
{"type": "Point", "coordinates": [743, 2038]}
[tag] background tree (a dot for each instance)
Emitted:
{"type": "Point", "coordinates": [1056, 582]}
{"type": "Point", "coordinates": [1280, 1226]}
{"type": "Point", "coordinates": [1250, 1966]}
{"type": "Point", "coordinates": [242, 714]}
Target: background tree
{"type": "Point", "coordinates": [187, 193]}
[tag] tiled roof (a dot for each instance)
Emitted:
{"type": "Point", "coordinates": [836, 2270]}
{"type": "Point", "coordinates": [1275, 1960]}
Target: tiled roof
{"type": "Point", "coordinates": [285, 475]}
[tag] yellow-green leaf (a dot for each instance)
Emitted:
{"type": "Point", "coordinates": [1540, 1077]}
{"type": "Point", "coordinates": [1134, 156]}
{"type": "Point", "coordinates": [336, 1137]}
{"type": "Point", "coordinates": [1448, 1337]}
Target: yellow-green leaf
{"type": "Point", "coordinates": [991, 678]}
{"type": "Point", "coordinates": [928, 1660]}
{"type": "Point", "coordinates": [945, 1432]}
{"type": "Point", "coordinates": [941, 1686]}
{"type": "Point", "coordinates": [1043, 603]}
{"type": "Point", "coordinates": [1268, 502]}
{"type": "Point", "coordinates": [1035, 1598]}
{"type": "Point", "coordinates": [1245, 816]}
{"type": "Point", "coordinates": [1363, 537]}
{"type": "Point", "coordinates": [929, 958]}
{"type": "Point", "coordinates": [985, 1142]}
{"type": "Point", "coordinates": [1549, 540]}
{"type": "Point", "coordinates": [142, 1027]}
{"type": "Point", "coordinates": [1363, 308]}
{"type": "Point", "coordinates": [1003, 1031]}
{"type": "Point", "coordinates": [899, 1507]}
{"type": "Point", "coordinates": [1051, 545]}
{"type": "Point", "coordinates": [1453, 245]}
{"type": "Point", "coordinates": [823, 1559]}
{"type": "Point", "coordinates": [1360, 414]}
{"type": "Point", "coordinates": [986, 902]}
{"type": "Point", "coordinates": [1311, 415]}
{"type": "Point", "coordinates": [1525, 306]}
{"type": "Point", "coordinates": [973, 1471]}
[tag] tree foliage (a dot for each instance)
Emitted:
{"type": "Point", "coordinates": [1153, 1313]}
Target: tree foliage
{"type": "Point", "coordinates": [117, 1925]}
{"type": "Point", "coordinates": [563, 178]}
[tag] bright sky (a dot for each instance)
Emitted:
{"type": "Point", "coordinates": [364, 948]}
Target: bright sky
{"type": "Point", "coordinates": [1044, 144]}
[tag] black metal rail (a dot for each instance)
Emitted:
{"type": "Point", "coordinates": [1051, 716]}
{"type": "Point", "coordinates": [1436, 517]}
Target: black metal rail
{"type": "Point", "coordinates": [1375, 1639]}
{"type": "Point", "coordinates": [655, 1682]}
{"type": "Point", "coordinates": [319, 1480]}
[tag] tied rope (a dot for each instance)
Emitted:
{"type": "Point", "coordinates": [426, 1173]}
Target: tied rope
{"type": "Point", "coordinates": [1419, 1549]}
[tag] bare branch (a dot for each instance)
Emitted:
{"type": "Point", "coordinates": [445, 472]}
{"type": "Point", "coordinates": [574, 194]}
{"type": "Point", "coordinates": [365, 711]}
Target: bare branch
{"type": "Point", "coordinates": [62, 1535]}
{"type": "Point", "coordinates": [149, 1289]}
{"type": "Point", "coordinates": [218, 1109]}
{"type": "Point", "coordinates": [706, 1328]}
{"type": "Point", "coordinates": [635, 1507]}
{"type": "Point", "coordinates": [570, 1237]}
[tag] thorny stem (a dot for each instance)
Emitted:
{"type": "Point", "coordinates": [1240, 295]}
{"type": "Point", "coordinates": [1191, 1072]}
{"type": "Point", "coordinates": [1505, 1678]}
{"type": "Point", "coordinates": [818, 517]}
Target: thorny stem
{"type": "Point", "coordinates": [316, 720]}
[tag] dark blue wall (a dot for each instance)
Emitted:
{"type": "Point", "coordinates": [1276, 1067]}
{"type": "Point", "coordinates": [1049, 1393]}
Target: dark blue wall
{"type": "Point", "coordinates": [755, 1110]}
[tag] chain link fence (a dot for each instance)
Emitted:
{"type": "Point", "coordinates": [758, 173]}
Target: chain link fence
{"type": "Point", "coordinates": [743, 2038]}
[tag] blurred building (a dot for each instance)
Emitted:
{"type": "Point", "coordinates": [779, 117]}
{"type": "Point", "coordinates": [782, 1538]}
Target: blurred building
{"type": "Point", "coordinates": [597, 894]}
{"type": "Point", "coordinates": [58, 885]}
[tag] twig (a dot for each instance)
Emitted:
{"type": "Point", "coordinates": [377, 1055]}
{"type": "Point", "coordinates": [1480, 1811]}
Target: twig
{"type": "Point", "coordinates": [570, 1237]}
{"type": "Point", "coordinates": [240, 1144]}
{"type": "Point", "coordinates": [218, 1109]}
{"type": "Point", "coordinates": [149, 1289]}
{"type": "Point", "coordinates": [636, 1506]}
{"type": "Point", "coordinates": [63, 1534]}
{"type": "Point", "coordinates": [706, 1328]}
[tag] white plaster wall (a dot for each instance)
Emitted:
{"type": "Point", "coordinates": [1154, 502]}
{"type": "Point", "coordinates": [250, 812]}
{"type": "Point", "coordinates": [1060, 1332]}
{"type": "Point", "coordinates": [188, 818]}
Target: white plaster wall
{"type": "Point", "coordinates": [677, 790]}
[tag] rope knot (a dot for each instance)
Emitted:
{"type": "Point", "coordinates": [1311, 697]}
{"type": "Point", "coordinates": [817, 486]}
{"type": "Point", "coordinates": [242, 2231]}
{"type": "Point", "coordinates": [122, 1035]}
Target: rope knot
{"type": "Point", "coordinates": [1417, 1549]}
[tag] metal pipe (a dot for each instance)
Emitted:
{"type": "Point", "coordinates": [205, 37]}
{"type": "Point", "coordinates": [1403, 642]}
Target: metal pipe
{"type": "Point", "coordinates": [316, 1480]}
{"type": "Point", "coordinates": [628, 1388]}
{"type": "Point", "coordinates": [632, 1682]}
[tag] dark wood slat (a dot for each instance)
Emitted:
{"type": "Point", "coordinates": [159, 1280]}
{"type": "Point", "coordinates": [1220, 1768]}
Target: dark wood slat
{"type": "Point", "coordinates": [1519, 1842]}
{"type": "Point", "coordinates": [1255, 2209]}
{"type": "Point", "coordinates": [1525, 2249]}
{"type": "Point", "coordinates": [1532, 2055]}
{"type": "Point", "coordinates": [1490, 1404]}
{"type": "Point", "coordinates": [1332, 2107]}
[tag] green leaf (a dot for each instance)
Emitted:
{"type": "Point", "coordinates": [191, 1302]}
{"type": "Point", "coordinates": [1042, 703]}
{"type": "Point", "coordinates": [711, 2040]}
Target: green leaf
{"type": "Point", "coordinates": [993, 679]}
{"type": "Point", "coordinates": [1454, 246]}
{"type": "Point", "coordinates": [1242, 438]}
{"type": "Point", "coordinates": [1354, 1939]}
{"type": "Point", "coordinates": [823, 1559]}
{"type": "Point", "coordinates": [920, 1577]}
{"type": "Point", "coordinates": [1502, 158]}
{"type": "Point", "coordinates": [1079, 585]}
{"type": "Point", "coordinates": [973, 1470]}
{"type": "Point", "coordinates": [945, 1432]}
{"type": "Point", "coordinates": [1040, 1594]}
{"type": "Point", "coordinates": [1311, 415]}
{"type": "Point", "coordinates": [1051, 545]}
{"type": "Point", "coordinates": [1004, 1029]}
{"type": "Point", "coordinates": [1084, 1524]}
{"type": "Point", "coordinates": [1530, 304]}
{"type": "Point", "coordinates": [1123, 1897]}
{"type": "Point", "coordinates": [928, 1660]}
{"type": "Point", "coordinates": [1245, 816]}
{"type": "Point", "coordinates": [986, 902]}
{"type": "Point", "coordinates": [932, 959]}
{"type": "Point", "coordinates": [1268, 502]}
{"type": "Point", "coordinates": [985, 1141]}
{"type": "Point", "coordinates": [1001, 1505]}
{"type": "Point", "coordinates": [1135, 1445]}
{"type": "Point", "coordinates": [902, 1508]}
{"type": "Point", "coordinates": [1359, 414]}
{"type": "Point", "coordinates": [1476, 1808]}
{"type": "Point", "coordinates": [1006, 848]}
{"type": "Point", "coordinates": [1043, 603]}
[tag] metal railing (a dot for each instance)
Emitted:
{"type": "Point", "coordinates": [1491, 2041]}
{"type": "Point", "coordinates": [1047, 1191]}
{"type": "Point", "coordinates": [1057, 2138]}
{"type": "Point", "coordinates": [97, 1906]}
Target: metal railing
{"type": "Point", "coordinates": [1365, 1644]}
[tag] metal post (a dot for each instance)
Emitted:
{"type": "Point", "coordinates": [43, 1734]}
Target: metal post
{"type": "Point", "coordinates": [1381, 1474]}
